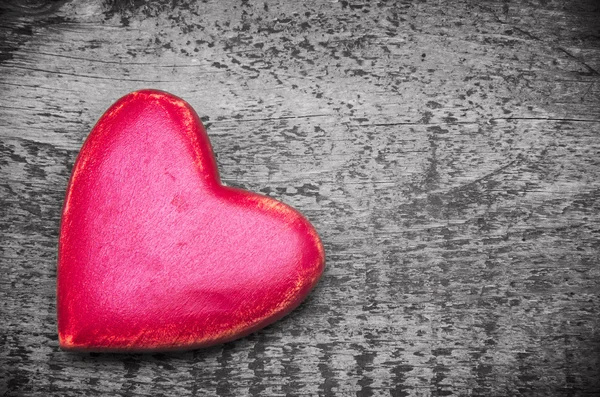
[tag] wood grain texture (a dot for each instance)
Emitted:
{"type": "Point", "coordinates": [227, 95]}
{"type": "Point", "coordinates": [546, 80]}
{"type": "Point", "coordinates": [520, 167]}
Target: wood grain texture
{"type": "Point", "coordinates": [446, 151]}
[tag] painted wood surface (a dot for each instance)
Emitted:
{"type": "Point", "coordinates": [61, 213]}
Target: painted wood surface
{"type": "Point", "coordinates": [448, 153]}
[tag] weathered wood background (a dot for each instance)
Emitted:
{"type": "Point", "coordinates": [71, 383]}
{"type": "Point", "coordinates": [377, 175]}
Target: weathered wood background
{"type": "Point", "coordinates": [448, 152]}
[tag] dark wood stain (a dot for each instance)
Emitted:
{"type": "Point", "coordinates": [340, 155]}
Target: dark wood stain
{"type": "Point", "coordinates": [447, 152]}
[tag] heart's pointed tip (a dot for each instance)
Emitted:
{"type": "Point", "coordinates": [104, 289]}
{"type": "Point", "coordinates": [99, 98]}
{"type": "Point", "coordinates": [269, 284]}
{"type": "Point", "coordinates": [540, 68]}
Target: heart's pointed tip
{"type": "Point", "coordinates": [69, 340]}
{"type": "Point", "coordinates": [65, 342]}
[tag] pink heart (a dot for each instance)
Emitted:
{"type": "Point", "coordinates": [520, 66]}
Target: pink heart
{"type": "Point", "coordinates": [156, 254]}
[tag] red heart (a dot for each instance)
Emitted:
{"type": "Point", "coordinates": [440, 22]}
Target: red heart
{"type": "Point", "coordinates": [155, 254]}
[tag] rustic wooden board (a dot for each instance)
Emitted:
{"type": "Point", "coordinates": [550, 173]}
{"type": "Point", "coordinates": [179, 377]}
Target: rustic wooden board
{"type": "Point", "coordinates": [447, 151]}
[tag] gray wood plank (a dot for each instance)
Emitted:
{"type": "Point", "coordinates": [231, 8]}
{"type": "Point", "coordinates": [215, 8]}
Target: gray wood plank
{"type": "Point", "coordinates": [447, 152]}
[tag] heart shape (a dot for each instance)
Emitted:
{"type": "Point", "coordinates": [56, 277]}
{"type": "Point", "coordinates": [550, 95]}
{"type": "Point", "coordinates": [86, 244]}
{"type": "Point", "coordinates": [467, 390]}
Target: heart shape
{"type": "Point", "coordinates": [155, 254]}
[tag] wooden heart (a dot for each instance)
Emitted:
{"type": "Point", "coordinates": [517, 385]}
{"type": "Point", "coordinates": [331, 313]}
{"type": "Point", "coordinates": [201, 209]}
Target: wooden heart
{"type": "Point", "coordinates": [155, 254]}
